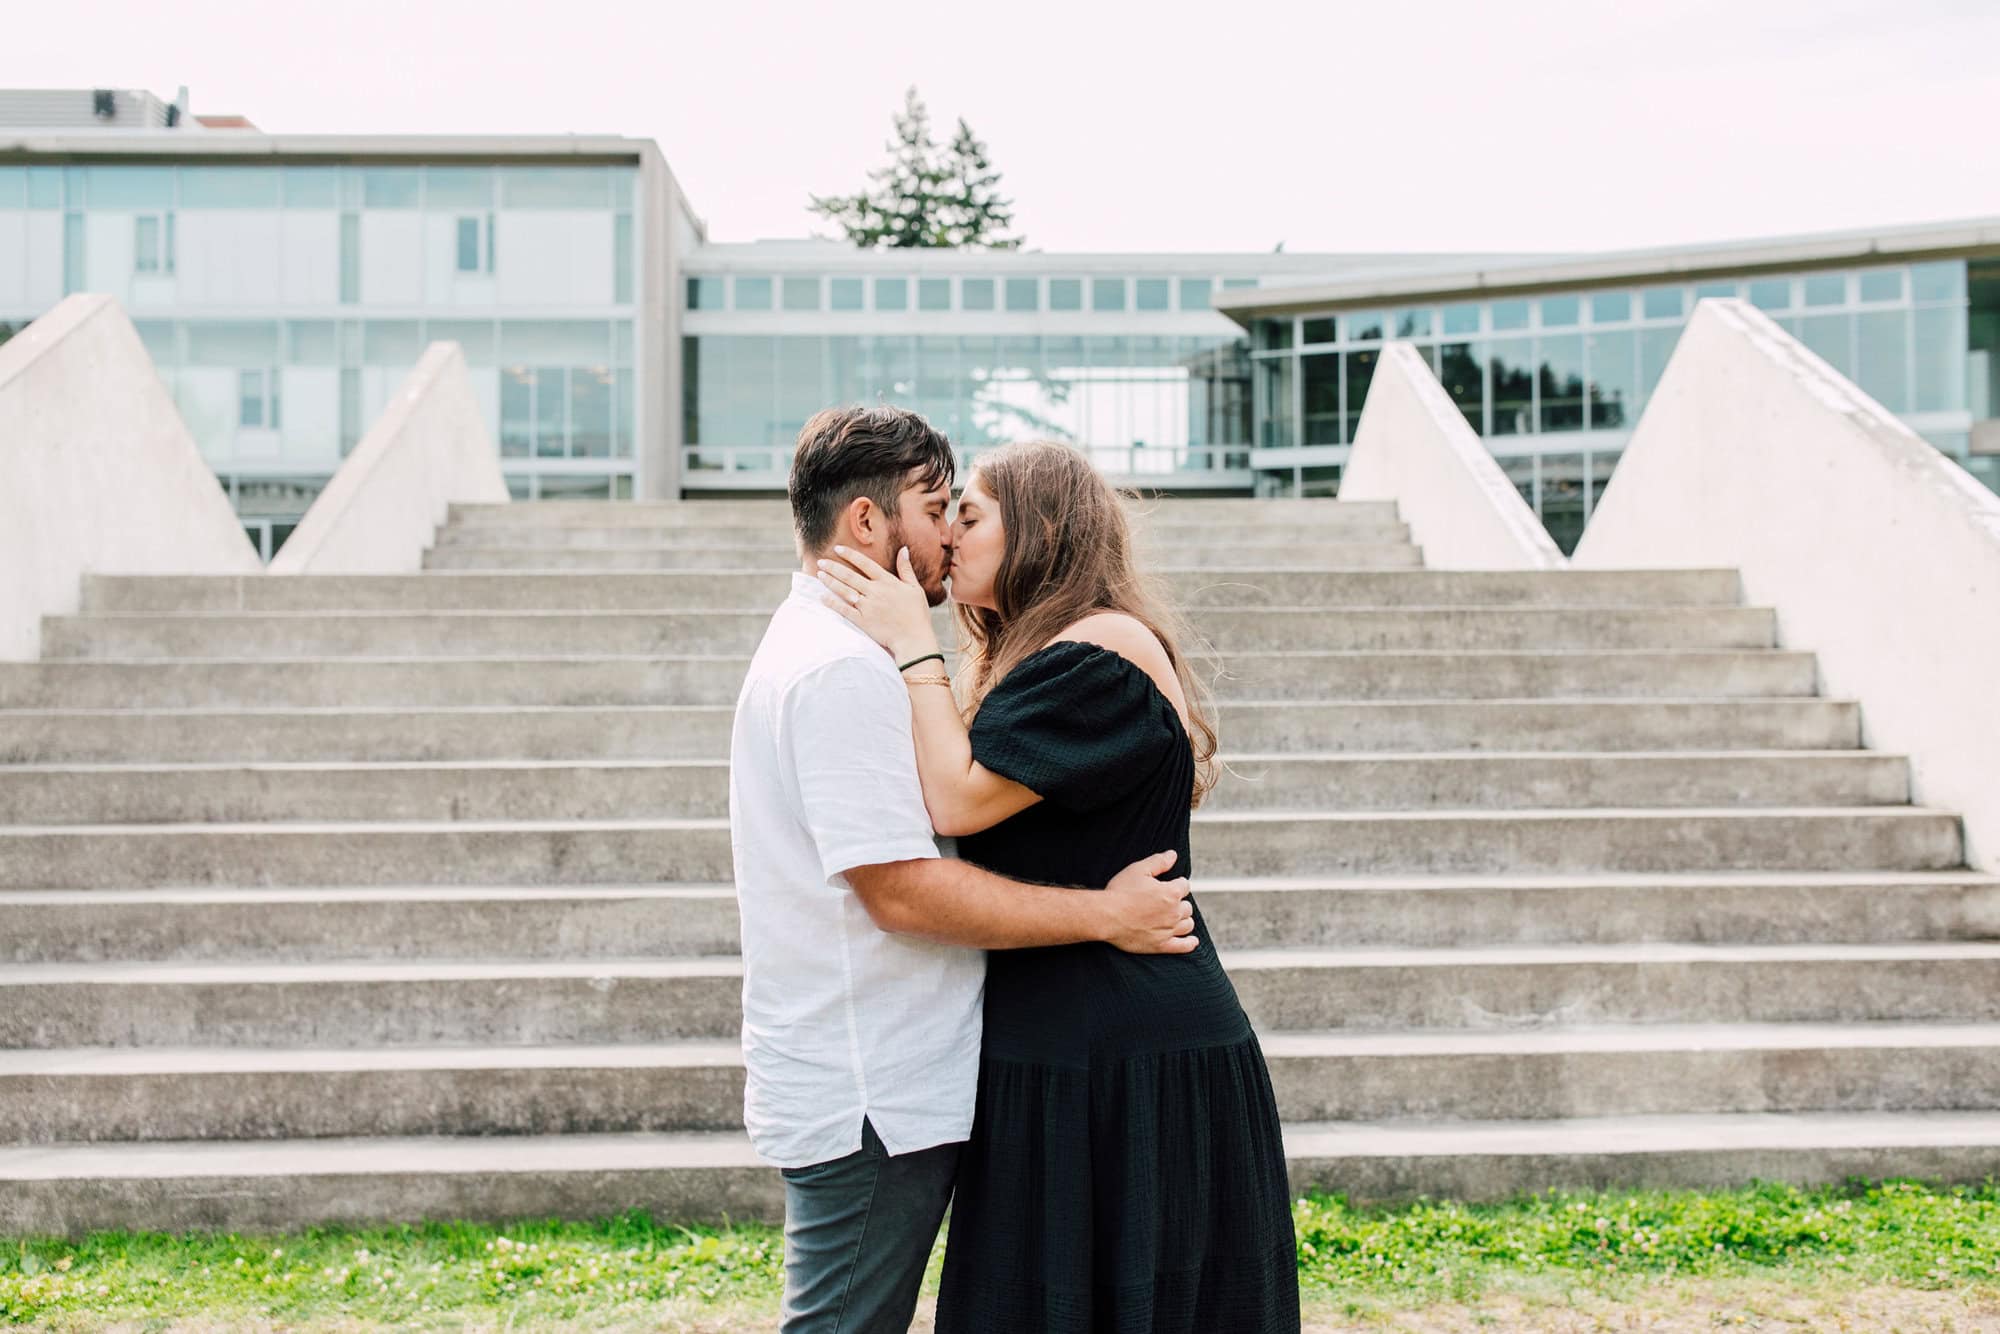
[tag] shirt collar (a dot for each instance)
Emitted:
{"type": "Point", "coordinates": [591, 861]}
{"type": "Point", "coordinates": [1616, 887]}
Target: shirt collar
{"type": "Point", "coordinates": [808, 589]}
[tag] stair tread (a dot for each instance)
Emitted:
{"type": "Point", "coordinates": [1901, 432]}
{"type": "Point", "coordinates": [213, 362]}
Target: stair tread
{"type": "Point", "coordinates": [1327, 757]}
{"type": "Point", "coordinates": [1684, 1133]}
{"type": "Point", "coordinates": [1208, 885]}
{"type": "Point", "coordinates": [444, 1155]}
{"type": "Point", "coordinates": [173, 972]}
{"type": "Point", "coordinates": [1278, 1044]}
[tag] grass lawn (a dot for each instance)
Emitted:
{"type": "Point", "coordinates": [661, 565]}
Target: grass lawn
{"type": "Point", "coordinates": [1894, 1255]}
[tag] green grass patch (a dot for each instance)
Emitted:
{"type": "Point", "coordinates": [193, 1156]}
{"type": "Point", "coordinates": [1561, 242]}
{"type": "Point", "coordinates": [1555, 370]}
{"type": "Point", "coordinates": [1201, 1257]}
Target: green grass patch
{"type": "Point", "coordinates": [446, 1274]}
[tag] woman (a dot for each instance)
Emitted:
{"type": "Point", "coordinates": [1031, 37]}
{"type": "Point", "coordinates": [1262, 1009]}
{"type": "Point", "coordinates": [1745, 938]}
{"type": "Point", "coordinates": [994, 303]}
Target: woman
{"type": "Point", "coordinates": [1126, 1170]}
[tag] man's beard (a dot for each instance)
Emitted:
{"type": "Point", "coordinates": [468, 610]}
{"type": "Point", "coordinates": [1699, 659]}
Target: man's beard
{"type": "Point", "coordinates": [929, 571]}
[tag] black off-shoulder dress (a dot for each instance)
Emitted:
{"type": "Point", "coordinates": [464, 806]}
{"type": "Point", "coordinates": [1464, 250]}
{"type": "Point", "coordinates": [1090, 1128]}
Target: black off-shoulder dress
{"type": "Point", "coordinates": [1126, 1171]}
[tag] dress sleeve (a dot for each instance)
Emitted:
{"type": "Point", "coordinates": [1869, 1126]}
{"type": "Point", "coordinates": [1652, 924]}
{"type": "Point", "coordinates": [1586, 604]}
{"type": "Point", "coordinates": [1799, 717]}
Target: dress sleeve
{"type": "Point", "coordinates": [1076, 724]}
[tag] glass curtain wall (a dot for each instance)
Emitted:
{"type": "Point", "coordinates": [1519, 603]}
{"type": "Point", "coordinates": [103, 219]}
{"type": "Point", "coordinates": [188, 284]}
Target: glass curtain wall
{"type": "Point", "coordinates": [1556, 382]}
{"type": "Point", "coordinates": [1137, 404]}
{"type": "Point", "coordinates": [343, 275]}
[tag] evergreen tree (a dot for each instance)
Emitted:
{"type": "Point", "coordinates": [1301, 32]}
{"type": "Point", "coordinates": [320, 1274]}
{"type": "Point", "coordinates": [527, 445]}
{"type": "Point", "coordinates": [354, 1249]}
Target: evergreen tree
{"type": "Point", "coordinates": [977, 213]}
{"type": "Point", "coordinates": [924, 197]}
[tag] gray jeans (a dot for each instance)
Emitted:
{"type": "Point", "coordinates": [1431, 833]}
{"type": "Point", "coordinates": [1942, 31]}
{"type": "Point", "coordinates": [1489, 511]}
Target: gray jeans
{"type": "Point", "coordinates": [858, 1232]}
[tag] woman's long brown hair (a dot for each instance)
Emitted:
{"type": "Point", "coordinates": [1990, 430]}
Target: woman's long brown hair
{"type": "Point", "coordinates": [1067, 553]}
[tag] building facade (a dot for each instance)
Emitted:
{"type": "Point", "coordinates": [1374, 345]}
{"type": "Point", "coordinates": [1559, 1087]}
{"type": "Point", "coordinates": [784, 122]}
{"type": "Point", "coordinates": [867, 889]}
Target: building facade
{"type": "Point", "coordinates": [285, 285]}
{"type": "Point", "coordinates": [1553, 362]}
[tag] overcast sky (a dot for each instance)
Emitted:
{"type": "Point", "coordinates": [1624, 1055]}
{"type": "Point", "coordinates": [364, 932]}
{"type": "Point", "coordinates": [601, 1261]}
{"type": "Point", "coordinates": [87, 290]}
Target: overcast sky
{"type": "Point", "coordinates": [1336, 126]}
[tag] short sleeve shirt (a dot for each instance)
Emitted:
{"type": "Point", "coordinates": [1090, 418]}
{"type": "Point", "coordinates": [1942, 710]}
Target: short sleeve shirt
{"type": "Point", "coordinates": [841, 1020]}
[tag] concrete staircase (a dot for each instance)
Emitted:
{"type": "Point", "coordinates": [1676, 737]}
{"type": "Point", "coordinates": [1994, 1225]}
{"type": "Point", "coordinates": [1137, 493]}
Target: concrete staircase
{"type": "Point", "coordinates": [346, 898]}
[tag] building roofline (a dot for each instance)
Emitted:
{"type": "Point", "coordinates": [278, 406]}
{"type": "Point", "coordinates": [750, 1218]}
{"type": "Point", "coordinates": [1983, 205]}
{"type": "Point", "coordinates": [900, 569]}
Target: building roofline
{"type": "Point", "coordinates": [236, 145]}
{"type": "Point", "coordinates": [828, 256]}
{"type": "Point", "coordinates": [1976, 236]}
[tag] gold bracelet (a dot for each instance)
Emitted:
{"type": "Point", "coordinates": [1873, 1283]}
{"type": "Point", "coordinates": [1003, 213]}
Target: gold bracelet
{"type": "Point", "coordinates": [938, 679]}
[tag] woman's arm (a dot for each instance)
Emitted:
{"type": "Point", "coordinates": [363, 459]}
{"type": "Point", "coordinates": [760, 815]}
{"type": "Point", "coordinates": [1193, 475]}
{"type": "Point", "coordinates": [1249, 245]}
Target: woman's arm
{"type": "Point", "coordinates": [962, 795]}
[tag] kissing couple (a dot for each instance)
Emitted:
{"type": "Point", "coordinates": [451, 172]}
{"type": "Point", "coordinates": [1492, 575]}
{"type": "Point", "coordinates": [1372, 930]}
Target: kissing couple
{"type": "Point", "coordinates": [1035, 1030]}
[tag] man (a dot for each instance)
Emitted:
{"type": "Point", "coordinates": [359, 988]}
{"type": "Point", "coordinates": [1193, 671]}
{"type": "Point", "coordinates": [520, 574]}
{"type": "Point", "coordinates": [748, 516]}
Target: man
{"type": "Point", "coordinates": [862, 971]}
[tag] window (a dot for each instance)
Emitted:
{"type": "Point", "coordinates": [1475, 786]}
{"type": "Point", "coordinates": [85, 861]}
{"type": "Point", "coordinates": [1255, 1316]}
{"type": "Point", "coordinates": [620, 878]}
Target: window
{"type": "Point", "coordinates": [704, 294]}
{"type": "Point", "coordinates": [1938, 282]}
{"type": "Point", "coordinates": [1510, 314]}
{"type": "Point", "coordinates": [1318, 331]}
{"type": "Point", "coordinates": [622, 258]}
{"type": "Point", "coordinates": [843, 294]}
{"type": "Point", "coordinates": [933, 294]}
{"type": "Point", "coordinates": [1611, 308]}
{"type": "Point", "coordinates": [1365, 326]}
{"type": "Point", "coordinates": [1107, 294]}
{"type": "Point", "coordinates": [1461, 319]}
{"type": "Point", "coordinates": [350, 257]}
{"type": "Point", "coordinates": [1769, 293]}
{"type": "Point", "coordinates": [1561, 312]}
{"type": "Point", "coordinates": [1826, 289]}
{"type": "Point", "coordinates": [753, 293]}
{"type": "Point", "coordinates": [801, 293]}
{"type": "Point", "coordinates": [468, 245]}
{"type": "Point", "coordinates": [1197, 293]}
{"type": "Point", "coordinates": [1882, 285]}
{"type": "Point", "coordinates": [1024, 294]}
{"type": "Point", "coordinates": [257, 399]}
{"type": "Point", "coordinates": [1662, 303]}
{"type": "Point", "coordinates": [382, 187]}
{"type": "Point", "coordinates": [1065, 294]}
{"type": "Point", "coordinates": [153, 243]}
{"type": "Point", "coordinates": [1151, 294]}
{"type": "Point", "coordinates": [975, 294]}
{"type": "Point", "coordinates": [1413, 323]}
{"type": "Point", "coordinates": [892, 294]}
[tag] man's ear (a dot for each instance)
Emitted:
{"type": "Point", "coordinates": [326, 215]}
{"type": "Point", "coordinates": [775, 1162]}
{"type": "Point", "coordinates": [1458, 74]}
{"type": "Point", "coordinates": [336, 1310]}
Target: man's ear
{"type": "Point", "coordinates": [864, 519]}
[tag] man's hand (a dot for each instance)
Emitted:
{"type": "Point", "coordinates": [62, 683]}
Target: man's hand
{"type": "Point", "coordinates": [1145, 914]}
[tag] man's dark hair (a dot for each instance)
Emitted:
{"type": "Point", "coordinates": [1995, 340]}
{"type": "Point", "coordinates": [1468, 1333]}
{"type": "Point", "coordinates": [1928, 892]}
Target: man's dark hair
{"type": "Point", "coordinates": [876, 452]}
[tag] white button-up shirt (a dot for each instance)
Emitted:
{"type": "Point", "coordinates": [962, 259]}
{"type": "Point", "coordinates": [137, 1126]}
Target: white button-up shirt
{"type": "Point", "coordinates": [841, 1020]}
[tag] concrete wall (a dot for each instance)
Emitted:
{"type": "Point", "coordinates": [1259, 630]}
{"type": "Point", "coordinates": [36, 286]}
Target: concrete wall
{"type": "Point", "coordinates": [429, 449]}
{"type": "Point", "coordinates": [1413, 447]}
{"type": "Point", "coordinates": [1879, 553]}
{"type": "Point", "coordinates": [98, 473]}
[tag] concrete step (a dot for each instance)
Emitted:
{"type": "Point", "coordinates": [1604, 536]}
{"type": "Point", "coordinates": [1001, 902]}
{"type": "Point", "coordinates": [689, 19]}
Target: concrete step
{"type": "Point", "coordinates": [1158, 536]}
{"type": "Point", "coordinates": [642, 590]}
{"type": "Point", "coordinates": [227, 1185]}
{"type": "Point", "coordinates": [529, 1003]}
{"type": "Point", "coordinates": [1280, 843]}
{"type": "Point", "coordinates": [714, 679]}
{"type": "Point", "coordinates": [113, 1094]}
{"type": "Point", "coordinates": [1229, 631]}
{"type": "Point", "coordinates": [501, 556]}
{"type": "Point", "coordinates": [395, 790]}
{"type": "Point", "coordinates": [1632, 1070]}
{"type": "Point", "coordinates": [468, 852]}
{"type": "Point", "coordinates": [597, 513]}
{"type": "Point", "coordinates": [1545, 780]}
{"type": "Point", "coordinates": [1498, 1160]}
{"type": "Point", "coordinates": [298, 735]}
{"type": "Point", "coordinates": [592, 514]}
{"type": "Point", "coordinates": [223, 1185]}
{"type": "Point", "coordinates": [308, 923]}
{"type": "Point", "coordinates": [647, 788]}
{"type": "Point", "coordinates": [316, 923]}
{"type": "Point", "coordinates": [656, 731]}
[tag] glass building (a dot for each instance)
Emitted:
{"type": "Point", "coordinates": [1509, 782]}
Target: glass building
{"type": "Point", "coordinates": [1124, 356]}
{"type": "Point", "coordinates": [284, 298]}
{"type": "Point", "coordinates": [1555, 370]}
{"type": "Point", "coordinates": [285, 285]}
